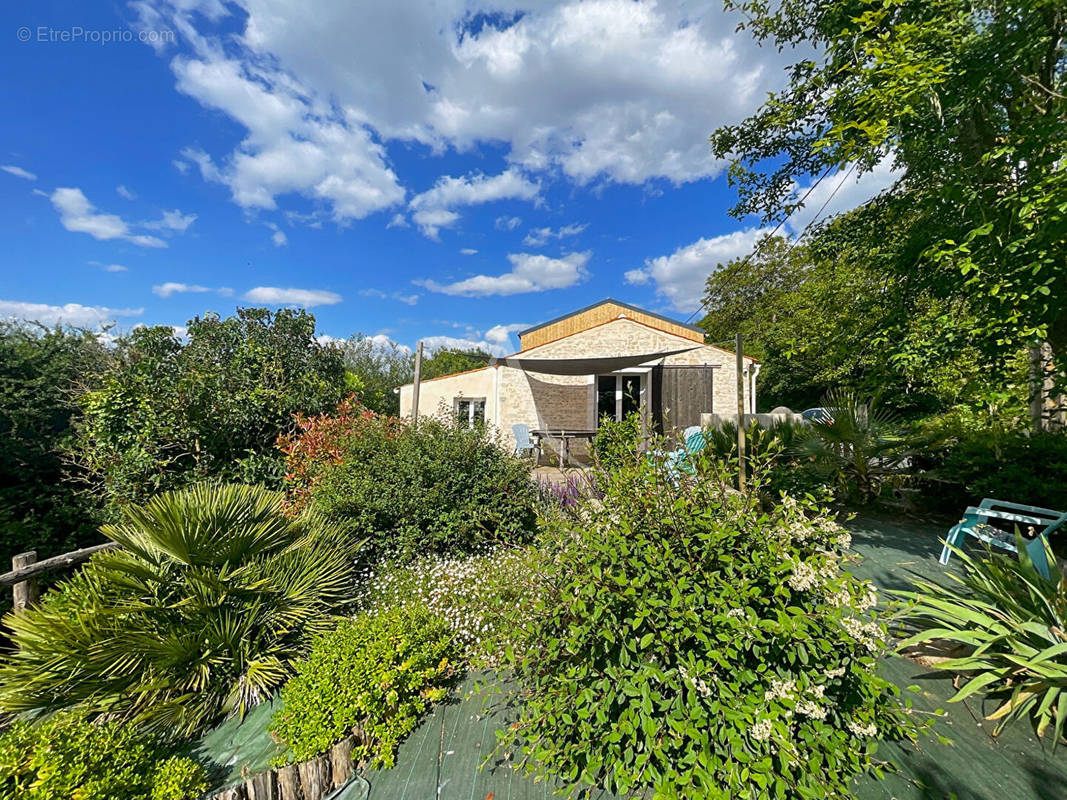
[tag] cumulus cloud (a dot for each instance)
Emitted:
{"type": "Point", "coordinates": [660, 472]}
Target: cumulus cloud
{"type": "Point", "coordinates": [126, 192]}
{"type": "Point", "coordinates": [78, 215]}
{"type": "Point", "coordinates": [500, 335]}
{"type": "Point", "coordinates": [74, 314]}
{"type": "Point", "coordinates": [468, 251]}
{"type": "Point", "coordinates": [540, 236]}
{"type": "Point", "coordinates": [434, 208]}
{"type": "Point", "coordinates": [507, 223]}
{"type": "Point", "coordinates": [18, 172]}
{"type": "Point", "coordinates": [680, 277]}
{"type": "Point", "coordinates": [434, 343]}
{"type": "Point", "coordinates": [529, 273]}
{"type": "Point", "coordinates": [400, 297]}
{"type": "Point", "coordinates": [279, 238]}
{"type": "Point", "coordinates": [275, 296]}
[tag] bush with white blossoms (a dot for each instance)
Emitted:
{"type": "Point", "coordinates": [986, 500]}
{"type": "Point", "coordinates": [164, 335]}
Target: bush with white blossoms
{"type": "Point", "coordinates": [692, 645]}
{"type": "Point", "coordinates": [474, 595]}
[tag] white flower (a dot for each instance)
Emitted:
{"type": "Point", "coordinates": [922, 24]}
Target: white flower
{"type": "Point", "coordinates": [862, 730]}
{"type": "Point", "coordinates": [780, 690]}
{"type": "Point", "coordinates": [804, 577]}
{"type": "Point", "coordinates": [811, 709]}
{"type": "Point", "coordinates": [761, 731]}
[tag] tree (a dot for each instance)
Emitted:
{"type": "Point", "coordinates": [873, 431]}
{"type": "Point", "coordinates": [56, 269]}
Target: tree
{"type": "Point", "coordinates": [449, 360]}
{"type": "Point", "coordinates": [968, 101]}
{"type": "Point", "coordinates": [814, 313]}
{"type": "Point", "coordinates": [380, 367]}
{"type": "Point", "coordinates": [41, 507]}
{"type": "Point", "coordinates": [170, 414]}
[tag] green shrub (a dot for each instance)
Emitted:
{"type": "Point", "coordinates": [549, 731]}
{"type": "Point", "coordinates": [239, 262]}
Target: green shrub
{"type": "Point", "coordinates": [213, 594]}
{"type": "Point", "coordinates": [617, 442]}
{"type": "Point", "coordinates": [1009, 621]}
{"type": "Point", "coordinates": [437, 488]}
{"type": "Point", "coordinates": [66, 757]}
{"type": "Point", "coordinates": [691, 646]}
{"type": "Point", "coordinates": [1019, 466]}
{"type": "Point", "coordinates": [376, 673]}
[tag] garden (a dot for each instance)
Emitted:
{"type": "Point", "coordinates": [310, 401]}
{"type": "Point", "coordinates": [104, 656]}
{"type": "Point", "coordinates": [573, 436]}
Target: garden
{"type": "Point", "coordinates": [289, 559]}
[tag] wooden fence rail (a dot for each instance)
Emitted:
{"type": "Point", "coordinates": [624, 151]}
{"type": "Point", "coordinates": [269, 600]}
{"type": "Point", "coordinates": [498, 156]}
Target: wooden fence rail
{"type": "Point", "coordinates": [25, 568]}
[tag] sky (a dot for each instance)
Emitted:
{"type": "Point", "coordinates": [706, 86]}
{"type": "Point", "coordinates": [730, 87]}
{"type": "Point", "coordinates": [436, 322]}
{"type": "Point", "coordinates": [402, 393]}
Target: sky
{"type": "Point", "coordinates": [449, 171]}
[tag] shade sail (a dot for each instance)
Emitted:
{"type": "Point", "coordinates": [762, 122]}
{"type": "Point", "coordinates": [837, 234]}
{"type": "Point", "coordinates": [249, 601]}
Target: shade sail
{"type": "Point", "coordinates": [582, 366]}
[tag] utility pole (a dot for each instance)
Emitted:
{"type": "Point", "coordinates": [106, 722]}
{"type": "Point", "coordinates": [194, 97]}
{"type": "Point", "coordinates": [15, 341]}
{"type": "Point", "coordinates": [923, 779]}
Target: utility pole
{"type": "Point", "coordinates": [415, 387]}
{"type": "Point", "coordinates": [740, 414]}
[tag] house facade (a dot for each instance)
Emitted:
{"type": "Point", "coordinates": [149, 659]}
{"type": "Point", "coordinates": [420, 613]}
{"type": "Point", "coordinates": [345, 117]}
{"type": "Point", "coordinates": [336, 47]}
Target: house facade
{"type": "Point", "coordinates": [681, 378]}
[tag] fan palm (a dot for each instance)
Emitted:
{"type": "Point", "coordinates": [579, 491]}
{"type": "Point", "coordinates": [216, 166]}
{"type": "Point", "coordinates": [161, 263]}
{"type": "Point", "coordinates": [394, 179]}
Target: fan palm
{"type": "Point", "coordinates": [860, 446]}
{"type": "Point", "coordinates": [213, 594]}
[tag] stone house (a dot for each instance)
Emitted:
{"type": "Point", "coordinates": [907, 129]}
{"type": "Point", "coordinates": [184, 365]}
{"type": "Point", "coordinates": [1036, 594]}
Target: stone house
{"type": "Point", "coordinates": [609, 359]}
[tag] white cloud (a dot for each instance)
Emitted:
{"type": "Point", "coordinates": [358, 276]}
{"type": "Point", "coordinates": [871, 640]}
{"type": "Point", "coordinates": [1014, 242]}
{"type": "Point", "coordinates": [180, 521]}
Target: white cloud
{"type": "Point", "coordinates": [171, 288]}
{"type": "Point", "coordinates": [73, 314]}
{"type": "Point", "coordinates": [842, 192]}
{"type": "Point", "coordinates": [500, 335]}
{"type": "Point", "coordinates": [275, 296]}
{"type": "Point", "coordinates": [78, 215]}
{"type": "Point", "coordinates": [680, 277]}
{"type": "Point", "coordinates": [433, 209]}
{"type": "Point", "coordinates": [279, 238]}
{"type": "Point", "coordinates": [126, 192]}
{"type": "Point", "coordinates": [18, 172]}
{"type": "Point", "coordinates": [180, 331]}
{"type": "Point", "coordinates": [434, 343]}
{"type": "Point", "coordinates": [468, 251]}
{"type": "Point", "coordinates": [115, 268]}
{"type": "Point", "coordinates": [407, 299]}
{"type": "Point", "coordinates": [171, 221]}
{"type": "Point", "coordinates": [540, 236]}
{"type": "Point", "coordinates": [529, 273]}
{"type": "Point", "coordinates": [507, 223]}
{"type": "Point", "coordinates": [296, 142]}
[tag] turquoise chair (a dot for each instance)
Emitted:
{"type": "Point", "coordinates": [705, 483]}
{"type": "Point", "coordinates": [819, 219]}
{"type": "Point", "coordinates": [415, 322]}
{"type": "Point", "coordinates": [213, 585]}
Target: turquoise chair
{"type": "Point", "coordinates": [523, 444]}
{"type": "Point", "coordinates": [975, 522]}
{"type": "Point", "coordinates": [681, 460]}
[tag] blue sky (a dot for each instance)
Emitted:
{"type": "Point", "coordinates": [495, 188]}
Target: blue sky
{"type": "Point", "coordinates": [407, 169]}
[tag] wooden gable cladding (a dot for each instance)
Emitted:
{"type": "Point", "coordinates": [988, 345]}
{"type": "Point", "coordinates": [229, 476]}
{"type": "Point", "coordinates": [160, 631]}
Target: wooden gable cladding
{"type": "Point", "coordinates": [598, 315]}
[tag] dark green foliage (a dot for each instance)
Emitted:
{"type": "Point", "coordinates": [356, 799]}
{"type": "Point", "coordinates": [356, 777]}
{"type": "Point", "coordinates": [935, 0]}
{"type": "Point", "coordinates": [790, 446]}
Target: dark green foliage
{"type": "Point", "coordinates": [171, 414]}
{"type": "Point", "coordinates": [376, 673]}
{"type": "Point", "coordinates": [67, 757]}
{"type": "Point", "coordinates": [450, 360]}
{"type": "Point", "coordinates": [213, 595]}
{"type": "Point", "coordinates": [41, 507]}
{"type": "Point", "coordinates": [689, 646]}
{"type": "Point", "coordinates": [1005, 624]}
{"type": "Point", "coordinates": [617, 442]}
{"type": "Point", "coordinates": [1018, 466]}
{"type": "Point", "coordinates": [437, 488]}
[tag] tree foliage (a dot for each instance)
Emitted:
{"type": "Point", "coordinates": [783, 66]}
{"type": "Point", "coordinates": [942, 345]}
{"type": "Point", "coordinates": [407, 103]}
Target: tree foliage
{"type": "Point", "coordinates": [41, 507]}
{"type": "Point", "coordinates": [173, 413]}
{"type": "Point", "coordinates": [380, 368]}
{"type": "Point", "coordinates": [967, 99]}
{"type": "Point", "coordinates": [450, 360]}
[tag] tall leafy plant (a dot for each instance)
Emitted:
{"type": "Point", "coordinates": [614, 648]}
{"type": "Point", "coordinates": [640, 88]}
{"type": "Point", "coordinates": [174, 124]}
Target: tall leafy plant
{"type": "Point", "coordinates": [212, 596]}
{"type": "Point", "coordinates": [1011, 623]}
{"type": "Point", "coordinates": [860, 446]}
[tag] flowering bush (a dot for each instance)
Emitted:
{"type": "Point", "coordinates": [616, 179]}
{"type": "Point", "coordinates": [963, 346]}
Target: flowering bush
{"type": "Point", "coordinates": [691, 646]}
{"type": "Point", "coordinates": [474, 595]}
{"type": "Point", "coordinates": [375, 675]}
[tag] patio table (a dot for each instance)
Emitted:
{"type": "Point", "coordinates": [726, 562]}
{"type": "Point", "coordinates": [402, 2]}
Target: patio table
{"type": "Point", "coordinates": [564, 435]}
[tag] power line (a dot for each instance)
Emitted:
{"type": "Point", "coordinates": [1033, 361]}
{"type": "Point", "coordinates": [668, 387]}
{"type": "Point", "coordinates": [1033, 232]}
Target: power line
{"type": "Point", "coordinates": [777, 227]}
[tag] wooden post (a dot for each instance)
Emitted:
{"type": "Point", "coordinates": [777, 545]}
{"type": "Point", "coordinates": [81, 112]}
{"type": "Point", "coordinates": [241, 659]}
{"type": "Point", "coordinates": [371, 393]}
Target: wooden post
{"type": "Point", "coordinates": [740, 415]}
{"type": "Point", "coordinates": [25, 592]}
{"type": "Point", "coordinates": [415, 386]}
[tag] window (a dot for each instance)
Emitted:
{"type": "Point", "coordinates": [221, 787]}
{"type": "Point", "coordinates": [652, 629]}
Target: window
{"type": "Point", "coordinates": [470, 410]}
{"type": "Point", "coordinates": [617, 396]}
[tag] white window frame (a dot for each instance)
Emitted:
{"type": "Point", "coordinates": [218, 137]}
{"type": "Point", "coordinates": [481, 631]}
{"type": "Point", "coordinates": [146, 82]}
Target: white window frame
{"type": "Point", "coordinates": [472, 402]}
{"type": "Point", "coordinates": [642, 402]}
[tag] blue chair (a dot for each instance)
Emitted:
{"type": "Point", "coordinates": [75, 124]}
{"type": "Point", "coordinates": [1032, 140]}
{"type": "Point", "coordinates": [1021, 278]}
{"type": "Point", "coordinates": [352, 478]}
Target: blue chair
{"type": "Point", "coordinates": [681, 459]}
{"type": "Point", "coordinates": [1041, 521]}
{"type": "Point", "coordinates": [523, 444]}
